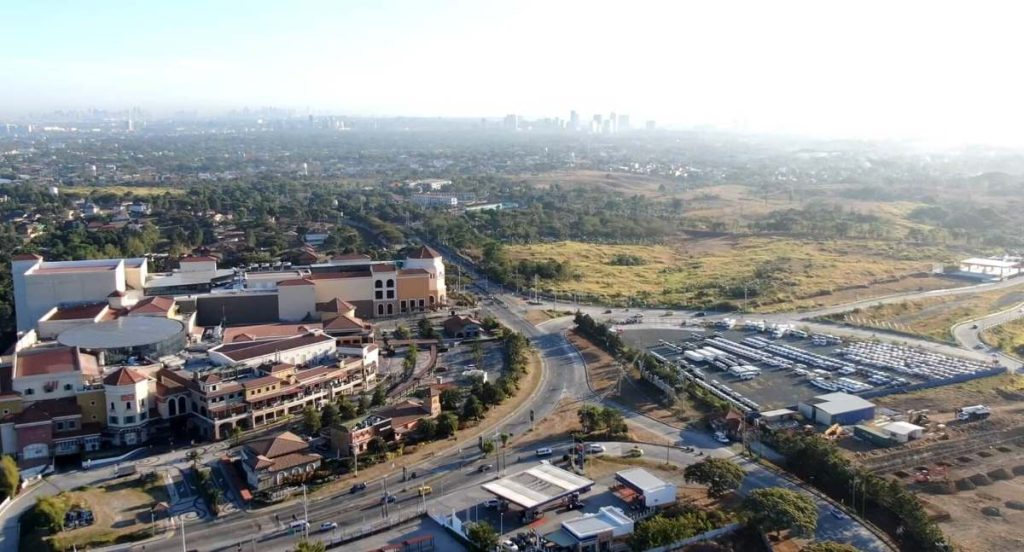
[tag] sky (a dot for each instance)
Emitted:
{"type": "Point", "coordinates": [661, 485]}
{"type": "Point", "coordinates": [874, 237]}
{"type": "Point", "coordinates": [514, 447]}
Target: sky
{"type": "Point", "coordinates": [947, 72]}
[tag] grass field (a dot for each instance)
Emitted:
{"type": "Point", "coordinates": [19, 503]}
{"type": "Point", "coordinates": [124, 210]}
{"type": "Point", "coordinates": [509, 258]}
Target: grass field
{"type": "Point", "coordinates": [703, 272]}
{"type": "Point", "coordinates": [1008, 337]}
{"type": "Point", "coordinates": [122, 190]}
{"type": "Point", "coordinates": [933, 317]}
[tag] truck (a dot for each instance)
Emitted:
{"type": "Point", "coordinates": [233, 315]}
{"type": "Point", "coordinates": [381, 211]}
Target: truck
{"type": "Point", "coordinates": [972, 413]}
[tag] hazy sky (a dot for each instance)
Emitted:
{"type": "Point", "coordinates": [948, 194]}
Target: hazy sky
{"type": "Point", "coordinates": [894, 68]}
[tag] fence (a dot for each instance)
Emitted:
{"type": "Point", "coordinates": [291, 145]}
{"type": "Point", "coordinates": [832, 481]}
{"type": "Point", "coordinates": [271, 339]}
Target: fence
{"type": "Point", "coordinates": [707, 535]}
{"type": "Point", "coordinates": [934, 383]}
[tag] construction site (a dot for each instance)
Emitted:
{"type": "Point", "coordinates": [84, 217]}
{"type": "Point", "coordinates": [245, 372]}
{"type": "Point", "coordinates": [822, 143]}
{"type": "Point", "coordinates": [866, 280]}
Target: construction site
{"type": "Point", "coordinates": [965, 464]}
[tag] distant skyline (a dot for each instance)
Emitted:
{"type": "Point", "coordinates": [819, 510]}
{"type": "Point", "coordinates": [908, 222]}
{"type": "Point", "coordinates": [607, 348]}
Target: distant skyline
{"type": "Point", "coordinates": [946, 72]}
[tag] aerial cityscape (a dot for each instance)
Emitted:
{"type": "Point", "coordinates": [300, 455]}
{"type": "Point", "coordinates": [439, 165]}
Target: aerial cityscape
{"type": "Point", "coordinates": [510, 277]}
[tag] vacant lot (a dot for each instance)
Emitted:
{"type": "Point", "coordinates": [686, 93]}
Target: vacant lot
{"type": "Point", "coordinates": [1008, 337]}
{"type": "Point", "coordinates": [1004, 394]}
{"type": "Point", "coordinates": [772, 273]}
{"type": "Point", "coordinates": [932, 317]}
{"type": "Point", "coordinates": [605, 376]}
{"type": "Point", "coordinates": [121, 510]}
{"type": "Point", "coordinates": [629, 184]}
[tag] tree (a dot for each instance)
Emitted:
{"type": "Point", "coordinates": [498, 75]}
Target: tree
{"type": "Point", "coordinates": [310, 546]}
{"type": "Point", "coordinates": [720, 475]}
{"type": "Point", "coordinates": [49, 512]}
{"type": "Point", "coordinates": [490, 395]}
{"type": "Point", "coordinates": [505, 438]}
{"type": "Point", "coordinates": [447, 424]}
{"type": "Point", "coordinates": [829, 546]}
{"type": "Point", "coordinates": [346, 408]}
{"type": "Point", "coordinates": [380, 396]}
{"type": "Point", "coordinates": [401, 332]}
{"type": "Point", "coordinates": [329, 415]}
{"type": "Point", "coordinates": [425, 329]}
{"type": "Point", "coordinates": [473, 409]}
{"type": "Point", "coordinates": [193, 457]}
{"type": "Point", "coordinates": [377, 446]}
{"type": "Point", "coordinates": [661, 530]}
{"type": "Point", "coordinates": [364, 404]}
{"type": "Point", "coordinates": [426, 428]}
{"type": "Point", "coordinates": [450, 398]}
{"type": "Point", "coordinates": [477, 350]}
{"type": "Point", "coordinates": [234, 435]}
{"type": "Point", "coordinates": [409, 362]}
{"type": "Point", "coordinates": [310, 420]}
{"type": "Point", "coordinates": [590, 418]}
{"type": "Point", "coordinates": [612, 420]}
{"type": "Point", "coordinates": [9, 477]}
{"type": "Point", "coordinates": [482, 535]}
{"type": "Point", "coordinates": [775, 509]}
{"type": "Point", "coordinates": [487, 446]}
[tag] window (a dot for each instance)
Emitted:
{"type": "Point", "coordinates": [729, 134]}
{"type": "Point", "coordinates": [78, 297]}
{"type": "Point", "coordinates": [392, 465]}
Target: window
{"type": "Point", "coordinates": [142, 403]}
{"type": "Point", "coordinates": [391, 294]}
{"type": "Point", "coordinates": [92, 403]}
{"type": "Point", "coordinates": [421, 304]}
{"type": "Point", "coordinates": [405, 306]}
{"type": "Point", "coordinates": [379, 294]}
{"type": "Point", "coordinates": [142, 416]}
{"type": "Point", "coordinates": [67, 387]}
{"type": "Point", "coordinates": [380, 310]}
{"type": "Point", "coordinates": [378, 284]}
{"type": "Point", "coordinates": [112, 406]}
{"type": "Point", "coordinates": [71, 424]}
{"type": "Point", "coordinates": [128, 405]}
{"type": "Point", "coordinates": [30, 391]}
{"type": "Point", "coordinates": [129, 419]}
{"type": "Point", "coordinates": [391, 283]}
{"type": "Point", "coordinates": [114, 420]}
{"type": "Point", "coordinates": [7, 411]}
{"type": "Point", "coordinates": [60, 426]}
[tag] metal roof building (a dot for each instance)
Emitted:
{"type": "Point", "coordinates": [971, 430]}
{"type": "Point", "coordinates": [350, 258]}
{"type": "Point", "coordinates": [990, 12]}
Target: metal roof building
{"type": "Point", "coordinates": [654, 491]}
{"type": "Point", "coordinates": [837, 408]}
{"type": "Point", "coordinates": [538, 487]}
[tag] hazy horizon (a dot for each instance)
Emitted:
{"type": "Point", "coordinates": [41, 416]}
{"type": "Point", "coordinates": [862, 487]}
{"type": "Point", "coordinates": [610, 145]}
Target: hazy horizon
{"type": "Point", "coordinates": [866, 70]}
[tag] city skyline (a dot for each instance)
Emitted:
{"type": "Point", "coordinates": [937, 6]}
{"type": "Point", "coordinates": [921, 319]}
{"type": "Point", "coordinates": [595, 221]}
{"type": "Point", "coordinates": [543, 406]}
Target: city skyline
{"type": "Point", "coordinates": [869, 71]}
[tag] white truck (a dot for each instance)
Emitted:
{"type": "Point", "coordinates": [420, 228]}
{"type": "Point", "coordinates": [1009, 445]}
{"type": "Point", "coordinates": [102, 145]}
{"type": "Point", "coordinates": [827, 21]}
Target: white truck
{"type": "Point", "coordinates": [972, 413]}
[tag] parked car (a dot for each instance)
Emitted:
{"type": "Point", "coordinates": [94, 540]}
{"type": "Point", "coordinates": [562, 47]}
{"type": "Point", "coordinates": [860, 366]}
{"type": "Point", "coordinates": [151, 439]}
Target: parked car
{"type": "Point", "coordinates": [328, 526]}
{"type": "Point", "coordinates": [485, 468]}
{"type": "Point", "coordinates": [595, 448]}
{"type": "Point", "coordinates": [358, 487]}
{"type": "Point", "coordinates": [492, 503]}
{"type": "Point", "coordinates": [388, 498]}
{"type": "Point", "coordinates": [635, 452]}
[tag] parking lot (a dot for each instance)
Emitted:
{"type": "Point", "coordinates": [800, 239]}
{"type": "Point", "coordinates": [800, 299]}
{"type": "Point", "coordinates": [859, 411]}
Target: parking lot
{"type": "Point", "coordinates": [460, 359]}
{"type": "Point", "coordinates": [763, 370]}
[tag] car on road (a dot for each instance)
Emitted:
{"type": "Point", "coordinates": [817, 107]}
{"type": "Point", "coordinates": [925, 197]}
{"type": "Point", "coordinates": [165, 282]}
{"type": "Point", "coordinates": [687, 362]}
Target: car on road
{"type": "Point", "coordinates": [979, 346]}
{"type": "Point", "coordinates": [424, 490]}
{"type": "Point", "coordinates": [485, 468]}
{"type": "Point", "coordinates": [509, 546]}
{"type": "Point", "coordinates": [595, 448]}
{"type": "Point", "coordinates": [388, 498]}
{"type": "Point", "coordinates": [358, 487]}
{"type": "Point", "coordinates": [699, 314]}
{"type": "Point", "coordinates": [544, 451]}
{"type": "Point", "coordinates": [721, 437]}
{"type": "Point", "coordinates": [328, 526]}
{"type": "Point", "coordinates": [635, 452]}
{"type": "Point", "coordinates": [296, 526]}
{"type": "Point", "coordinates": [837, 513]}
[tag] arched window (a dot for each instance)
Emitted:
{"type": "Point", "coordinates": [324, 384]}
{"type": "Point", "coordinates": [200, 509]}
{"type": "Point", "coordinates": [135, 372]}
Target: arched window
{"type": "Point", "coordinates": [431, 299]}
{"type": "Point", "coordinates": [378, 284]}
{"type": "Point", "coordinates": [172, 408]}
{"type": "Point", "coordinates": [391, 309]}
{"type": "Point", "coordinates": [391, 283]}
{"type": "Point", "coordinates": [380, 310]}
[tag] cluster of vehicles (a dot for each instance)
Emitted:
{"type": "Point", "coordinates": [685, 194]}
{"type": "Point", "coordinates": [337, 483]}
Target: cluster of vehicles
{"type": "Point", "coordinates": [906, 360]}
{"type": "Point", "coordinates": [78, 517]}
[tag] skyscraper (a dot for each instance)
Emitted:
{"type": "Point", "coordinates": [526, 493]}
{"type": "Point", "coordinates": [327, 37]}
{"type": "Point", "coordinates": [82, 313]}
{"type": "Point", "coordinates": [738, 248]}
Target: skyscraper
{"type": "Point", "coordinates": [613, 123]}
{"type": "Point", "coordinates": [623, 123]}
{"type": "Point", "coordinates": [574, 120]}
{"type": "Point", "coordinates": [512, 121]}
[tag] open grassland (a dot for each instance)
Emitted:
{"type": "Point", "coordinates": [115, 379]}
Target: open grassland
{"type": "Point", "coordinates": [776, 273]}
{"type": "Point", "coordinates": [1004, 394]}
{"type": "Point", "coordinates": [933, 317]}
{"type": "Point", "coordinates": [1008, 337]}
{"type": "Point", "coordinates": [624, 183]}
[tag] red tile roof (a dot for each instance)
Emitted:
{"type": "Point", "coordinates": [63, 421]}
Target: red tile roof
{"type": "Point", "coordinates": [336, 305]}
{"type": "Point", "coordinates": [424, 252]}
{"type": "Point", "coordinates": [265, 331]}
{"type": "Point", "coordinates": [295, 282]}
{"type": "Point", "coordinates": [259, 382]}
{"type": "Point", "coordinates": [123, 376]}
{"type": "Point", "coordinates": [345, 322]}
{"type": "Point", "coordinates": [244, 351]}
{"type": "Point", "coordinates": [413, 272]}
{"type": "Point", "coordinates": [41, 411]}
{"type": "Point", "coordinates": [338, 275]}
{"type": "Point", "coordinates": [27, 257]}
{"type": "Point", "coordinates": [57, 360]}
{"type": "Point", "coordinates": [80, 312]}
{"type": "Point", "coordinates": [153, 305]}
{"type": "Point", "coordinates": [380, 267]}
{"type": "Point", "coordinates": [278, 445]}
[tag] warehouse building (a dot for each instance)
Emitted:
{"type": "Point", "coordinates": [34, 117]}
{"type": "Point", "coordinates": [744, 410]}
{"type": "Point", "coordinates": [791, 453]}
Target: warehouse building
{"type": "Point", "coordinates": [649, 489]}
{"type": "Point", "coordinates": [837, 408]}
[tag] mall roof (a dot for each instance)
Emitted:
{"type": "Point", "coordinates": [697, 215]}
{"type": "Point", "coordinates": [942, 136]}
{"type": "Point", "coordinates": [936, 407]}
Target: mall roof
{"type": "Point", "coordinates": [836, 403]}
{"type": "Point", "coordinates": [537, 486]}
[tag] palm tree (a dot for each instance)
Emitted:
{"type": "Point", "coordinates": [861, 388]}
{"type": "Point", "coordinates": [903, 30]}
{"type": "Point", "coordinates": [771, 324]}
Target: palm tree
{"type": "Point", "coordinates": [310, 546]}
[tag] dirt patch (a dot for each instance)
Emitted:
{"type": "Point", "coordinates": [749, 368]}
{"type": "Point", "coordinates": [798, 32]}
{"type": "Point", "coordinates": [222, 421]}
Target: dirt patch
{"type": "Point", "coordinates": [121, 509]}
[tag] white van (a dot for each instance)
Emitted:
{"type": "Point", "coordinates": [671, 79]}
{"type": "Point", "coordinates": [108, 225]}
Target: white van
{"type": "Point", "coordinates": [298, 526]}
{"type": "Point", "coordinates": [544, 451]}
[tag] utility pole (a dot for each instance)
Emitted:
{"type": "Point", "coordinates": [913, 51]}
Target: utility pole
{"type": "Point", "coordinates": [183, 547]}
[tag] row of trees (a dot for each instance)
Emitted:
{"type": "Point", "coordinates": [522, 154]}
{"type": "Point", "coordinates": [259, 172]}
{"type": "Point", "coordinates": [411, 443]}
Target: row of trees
{"type": "Point", "coordinates": [606, 420]}
{"type": "Point", "coordinates": [819, 461]}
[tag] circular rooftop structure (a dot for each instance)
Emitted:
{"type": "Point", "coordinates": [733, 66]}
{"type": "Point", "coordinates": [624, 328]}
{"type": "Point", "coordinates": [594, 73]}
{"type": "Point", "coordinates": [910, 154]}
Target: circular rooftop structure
{"type": "Point", "coordinates": [138, 336]}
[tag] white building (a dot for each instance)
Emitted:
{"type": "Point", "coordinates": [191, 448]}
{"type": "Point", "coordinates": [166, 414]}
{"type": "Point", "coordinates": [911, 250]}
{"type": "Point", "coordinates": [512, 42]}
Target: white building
{"type": "Point", "coordinates": [997, 268]}
{"type": "Point", "coordinates": [298, 350]}
{"type": "Point", "coordinates": [902, 431]}
{"type": "Point", "coordinates": [40, 285]}
{"type": "Point", "coordinates": [128, 403]}
{"type": "Point", "coordinates": [436, 200]}
{"type": "Point", "coordinates": [653, 491]}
